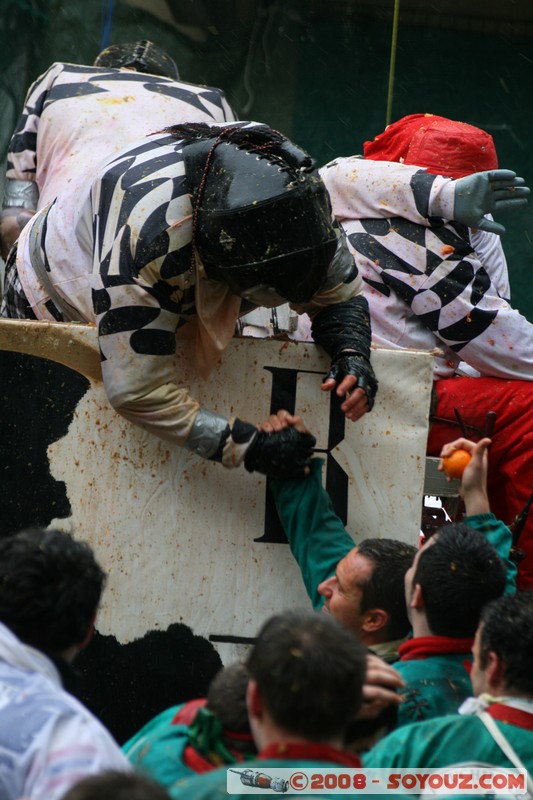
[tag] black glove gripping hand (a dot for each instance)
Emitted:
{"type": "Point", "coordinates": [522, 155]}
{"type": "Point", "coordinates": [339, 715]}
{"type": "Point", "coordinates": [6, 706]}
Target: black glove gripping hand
{"type": "Point", "coordinates": [283, 454]}
{"type": "Point", "coordinates": [346, 327]}
{"type": "Point", "coordinates": [355, 364]}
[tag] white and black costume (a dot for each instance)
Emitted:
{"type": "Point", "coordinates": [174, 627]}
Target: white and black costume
{"type": "Point", "coordinates": [117, 252]}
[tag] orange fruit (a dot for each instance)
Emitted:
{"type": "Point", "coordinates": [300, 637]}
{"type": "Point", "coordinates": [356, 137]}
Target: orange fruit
{"type": "Point", "coordinates": [455, 465]}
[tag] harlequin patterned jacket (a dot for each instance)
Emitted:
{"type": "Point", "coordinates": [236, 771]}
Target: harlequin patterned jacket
{"type": "Point", "coordinates": [429, 283]}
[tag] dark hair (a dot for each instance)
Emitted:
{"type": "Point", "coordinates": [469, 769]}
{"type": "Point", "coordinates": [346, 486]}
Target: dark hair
{"type": "Point", "coordinates": [310, 671]}
{"type": "Point", "coordinates": [363, 734]}
{"type": "Point", "coordinates": [50, 587]}
{"type": "Point", "coordinates": [143, 56]}
{"type": "Point", "coordinates": [113, 785]}
{"type": "Point", "coordinates": [226, 698]}
{"type": "Point", "coordinates": [507, 630]}
{"type": "Point", "coordinates": [385, 587]}
{"type": "Point", "coordinates": [459, 573]}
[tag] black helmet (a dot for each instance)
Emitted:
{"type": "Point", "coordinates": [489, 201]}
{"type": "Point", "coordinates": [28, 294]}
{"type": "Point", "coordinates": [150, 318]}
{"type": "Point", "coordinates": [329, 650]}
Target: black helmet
{"type": "Point", "coordinates": [144, 56]}
{"type": "Point", "coordinates": [262, 215]}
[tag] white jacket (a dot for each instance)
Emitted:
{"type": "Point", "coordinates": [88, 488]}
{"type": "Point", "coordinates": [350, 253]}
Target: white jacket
{"type": "Point", "coordinates": [48, 740]}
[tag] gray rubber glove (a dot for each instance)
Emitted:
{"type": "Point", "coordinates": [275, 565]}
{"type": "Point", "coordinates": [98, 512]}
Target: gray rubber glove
{"type": "Point", "coordinates": [487, 193]}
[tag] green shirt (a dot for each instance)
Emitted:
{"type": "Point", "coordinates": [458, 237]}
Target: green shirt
{"type": "Point", "coordinates": [318, 539]}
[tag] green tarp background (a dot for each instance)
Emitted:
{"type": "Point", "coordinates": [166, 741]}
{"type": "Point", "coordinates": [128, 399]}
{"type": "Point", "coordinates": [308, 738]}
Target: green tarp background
{"type": "Point", "coordinates": [316, 71]}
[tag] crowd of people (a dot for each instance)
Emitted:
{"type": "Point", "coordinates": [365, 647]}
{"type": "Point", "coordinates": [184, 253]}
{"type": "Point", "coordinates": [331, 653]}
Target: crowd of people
{"type": "Point", "coordinates": [139, 203]}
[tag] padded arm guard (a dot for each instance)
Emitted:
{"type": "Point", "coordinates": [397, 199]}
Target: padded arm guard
{"type": "Point", "coordinates": [283, 454]}
{"type": "Point", "coordinates": [21, 194]}
{"type": "Point", "coordinates": [344, 331]}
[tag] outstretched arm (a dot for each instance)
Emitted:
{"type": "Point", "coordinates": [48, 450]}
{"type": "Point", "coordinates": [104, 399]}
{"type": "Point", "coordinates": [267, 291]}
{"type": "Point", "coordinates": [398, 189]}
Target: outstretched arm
{"type": "Point", "coordinates": [141, 377]}
{"type": "Point", "coordinates": [341, 325]}
{"type": "Point", "coordinates": [442, 281]}
{"type": "Point", "coordinates": [366, 189]}
{"type": "Point", "coordinates": [317, 537]}
{"type": "Point", "coordinates": [475, 496]}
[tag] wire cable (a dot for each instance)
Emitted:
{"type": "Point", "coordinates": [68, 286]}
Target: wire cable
{"type": "Point", "coordinates": [392, 65]}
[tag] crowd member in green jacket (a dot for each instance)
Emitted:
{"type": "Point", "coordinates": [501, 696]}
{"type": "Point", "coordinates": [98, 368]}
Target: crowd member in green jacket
{"type": "Point", "coordinates": [362, 586]}
{"type": "Point", "coordinates": [197, 736]}
{"type": "Point", "coordinates": [453, 576]}
{"type": "Point", "coordinates": [431, 661]}
{"type": "Point", "coordinates": [306, 682]}
{"type": "Point", "coordinates": [502, 681]}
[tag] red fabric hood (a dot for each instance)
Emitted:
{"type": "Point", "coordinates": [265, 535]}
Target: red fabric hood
{"type": "Point", "coordinates": [439, 145]}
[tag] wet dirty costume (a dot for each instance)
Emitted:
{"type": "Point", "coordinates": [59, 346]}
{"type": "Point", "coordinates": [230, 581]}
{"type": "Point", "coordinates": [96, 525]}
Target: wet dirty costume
{"type": "Point", "coordinates": [76, 116]}
{"type": "Point", "coordinates": [118, 252]}
{"type": "Point", "coordinates": [427, 287]}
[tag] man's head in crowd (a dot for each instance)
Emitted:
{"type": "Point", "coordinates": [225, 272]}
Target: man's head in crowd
{"type": "Point", "coordinates": [453, 576]}
{"type": "Point", "coordinates": [503, 648]}
{"type": "Point", "coordinates": [367, 591]}
{"type": "Point", "coordinates": [117, 786]}
{"type": "Point", "coordinates": [226, 699]}
{"type": "Point", "coordinates": [50, 588]}
{"type": "Point", "coordinates": [306, 678]}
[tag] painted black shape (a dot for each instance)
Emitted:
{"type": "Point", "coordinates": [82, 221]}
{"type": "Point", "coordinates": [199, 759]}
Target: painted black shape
{"type": "Point", "coordinates": [126, 685]}
{"type": "Point", "coordinates": [168, 297]}
{"type": "Point", "coordinates": [232, 639]}
{"type": "Point", "coordinates": [404, 291]}
{"type": "Point", "coordinates": [153, 342]}
{"type": "Point", "coordinates": [455, 236]}
{"type": "Point", "coordinates": [421, 184]}
{"type": "Point", "coordinates": [336, 478]}
{"type": "Point", "coordinates": [433, 260]}
{"type": "Point", "coordinates": [467, 329]}
{"type": "Point", "coordinates": [22, 142]}
{"type": "Point", "coordinates": [181, 93]}
{"type": "Point", "coordinates": [127, 318]}
{"type": "Point", "coordinates": [369, 247]}
{"type": "Point", "coordinates": [378, 286]}
{"type": "Point", "coordinates": [480, 286]}
{"type": "Point", "coordinates": [283, 395]}
{"type": "Point", "coordinates": [101, 301]}
{"type": "Point", "coordinates": [67, 91]}
{"type": "Point", "coordinates": [380, 226]}
{"type": "Point", "coordinates": [454, 284]}
{"type": "Point", "coordinates": [176, 263]}
{"type": "Point", "coordinates": [458, 237]}
{"type": "Point", "coordinates": [409, 230]}
{"type": "Point", "coordinates": [144, 177]}
{"type": "Point", "coordinates": [431, 320]}
{"type": "Point", "coordinates": [37, 402]}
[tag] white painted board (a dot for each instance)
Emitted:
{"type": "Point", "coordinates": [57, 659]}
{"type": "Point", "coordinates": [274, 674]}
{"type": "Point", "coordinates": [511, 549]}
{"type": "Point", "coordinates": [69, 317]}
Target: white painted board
{"type": "Point", "coordinates": [177, 534]}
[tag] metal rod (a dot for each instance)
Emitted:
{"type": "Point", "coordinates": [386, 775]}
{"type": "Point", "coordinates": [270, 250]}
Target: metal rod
{"type": "Point", "coordinates": [392, 65]}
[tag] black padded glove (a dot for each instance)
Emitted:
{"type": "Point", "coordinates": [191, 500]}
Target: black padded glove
{"type": "Point", "coordinates": [355, 364]}
{"type": "Point", "coordinates": [342, 328]}
{"type": "Point", "coordinates": [283, 454]}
